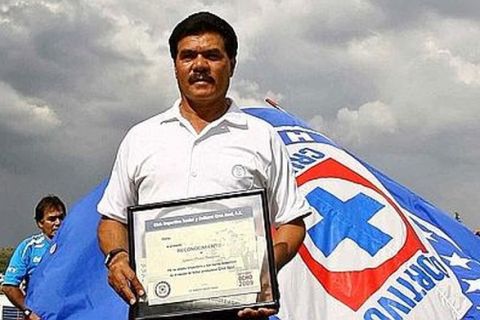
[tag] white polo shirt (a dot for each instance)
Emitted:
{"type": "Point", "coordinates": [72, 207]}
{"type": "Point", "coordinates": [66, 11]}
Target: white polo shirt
{"type": "Point", "coordinates": [163, 158]}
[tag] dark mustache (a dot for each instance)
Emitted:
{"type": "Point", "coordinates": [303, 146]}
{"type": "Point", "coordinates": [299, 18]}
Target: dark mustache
{"type": "Point", "coordinates": [197, 76]}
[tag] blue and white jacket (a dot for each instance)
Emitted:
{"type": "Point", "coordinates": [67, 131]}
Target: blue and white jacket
{"type": "Point", "coordinates": [26, 258]}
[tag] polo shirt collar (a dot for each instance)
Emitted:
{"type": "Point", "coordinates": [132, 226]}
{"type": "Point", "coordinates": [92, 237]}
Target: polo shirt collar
{"type": "Point", "coordinates": [234, 114]}
{"type": "Point", "coordinates": [172, 114]}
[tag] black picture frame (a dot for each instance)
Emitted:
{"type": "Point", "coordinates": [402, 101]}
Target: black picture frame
{"type": "Point", "coordinates": [201, 308]}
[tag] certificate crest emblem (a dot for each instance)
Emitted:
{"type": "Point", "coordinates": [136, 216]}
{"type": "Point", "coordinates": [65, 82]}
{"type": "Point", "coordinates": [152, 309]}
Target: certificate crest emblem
{"type": "Point", "coordinates": [162, 289]}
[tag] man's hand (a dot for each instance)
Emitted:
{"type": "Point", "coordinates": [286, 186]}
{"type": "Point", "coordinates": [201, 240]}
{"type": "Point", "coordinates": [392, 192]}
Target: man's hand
{"type": "Point", "coordinates": [261, 313]}
{"type": "Point", "coordinates": [123, 279]}
{"type": "Point", "coordinates": [16, 297]}
{"type": "Point", "coordinates": [113, 235]}
{"type": "Point", "coordinates": [33, 316]}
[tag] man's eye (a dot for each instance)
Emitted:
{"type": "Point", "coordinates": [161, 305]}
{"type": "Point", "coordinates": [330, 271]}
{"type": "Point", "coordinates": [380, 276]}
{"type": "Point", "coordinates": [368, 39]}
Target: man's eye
{"type": "Point", "coordinates": [213, 56]}
{"type": "Point", "coordinates": [187, 56]}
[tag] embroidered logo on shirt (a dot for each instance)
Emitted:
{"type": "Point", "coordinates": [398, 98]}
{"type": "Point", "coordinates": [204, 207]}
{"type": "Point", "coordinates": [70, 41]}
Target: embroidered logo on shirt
{"type": "Point", "coordinates": [239, 171]}
{"type": "Point", "coordinates": [12, 270]}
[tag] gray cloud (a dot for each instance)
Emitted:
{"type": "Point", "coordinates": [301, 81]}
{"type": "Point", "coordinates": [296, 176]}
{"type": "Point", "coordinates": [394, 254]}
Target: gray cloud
{"type": "Point", "coordinates": [395, 82]}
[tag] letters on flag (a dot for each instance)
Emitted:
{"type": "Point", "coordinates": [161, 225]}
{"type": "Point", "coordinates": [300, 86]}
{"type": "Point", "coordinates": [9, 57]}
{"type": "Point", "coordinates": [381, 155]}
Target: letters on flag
{"type": "Point", "coordinates": [373, 249]}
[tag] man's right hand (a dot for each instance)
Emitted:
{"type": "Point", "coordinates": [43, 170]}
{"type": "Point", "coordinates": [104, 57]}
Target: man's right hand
{"type": "Point", "coordinates": [123, 279]}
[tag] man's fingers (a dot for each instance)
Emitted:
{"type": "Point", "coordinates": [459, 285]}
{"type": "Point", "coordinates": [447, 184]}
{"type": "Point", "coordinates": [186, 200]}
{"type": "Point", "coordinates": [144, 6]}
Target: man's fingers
{"type": "Point", "coordinates": [267, 312]}
{"type": "Point", "coordinates": [135, 284]}
{"type": "Point", "coordinates": [127, 293]}
{"type": "Point", "coordinates": [261, 313]}
{"type": "Point", "coordinates": [120, 278]}
{"type": "Point", "coordinates": [121, 285]}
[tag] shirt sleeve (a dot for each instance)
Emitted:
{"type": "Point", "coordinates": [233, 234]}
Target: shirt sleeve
{"type": "Point", "coordinates": [17, 267]}
{"type": "Point", "coordinates": [286, 202]}
{"type": "Point", "coordinates": [120, 192]}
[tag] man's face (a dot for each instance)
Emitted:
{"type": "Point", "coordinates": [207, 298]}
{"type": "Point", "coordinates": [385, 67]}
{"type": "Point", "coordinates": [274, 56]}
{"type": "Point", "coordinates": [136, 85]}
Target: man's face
{"type": "Point", "coordinates": [52, 219]}
{"type": "Point", "coordinates": [203, 68]}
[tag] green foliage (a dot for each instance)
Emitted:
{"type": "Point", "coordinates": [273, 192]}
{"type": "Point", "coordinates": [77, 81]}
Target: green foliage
{"type": "Point", "coordinates": [5, 254]}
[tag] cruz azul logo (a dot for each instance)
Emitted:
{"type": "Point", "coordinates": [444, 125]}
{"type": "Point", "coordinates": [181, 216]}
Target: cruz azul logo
{"type": "Point", "coordinates": [357, 236]}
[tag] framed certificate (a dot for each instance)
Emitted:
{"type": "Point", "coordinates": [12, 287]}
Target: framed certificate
{"type": "Point", "coordinates": [204, 257]}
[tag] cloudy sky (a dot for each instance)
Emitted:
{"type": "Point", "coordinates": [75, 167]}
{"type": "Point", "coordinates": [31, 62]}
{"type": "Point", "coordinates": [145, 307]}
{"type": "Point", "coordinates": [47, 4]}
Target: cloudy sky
{"type": "Point", "coordinates": [395, 82]}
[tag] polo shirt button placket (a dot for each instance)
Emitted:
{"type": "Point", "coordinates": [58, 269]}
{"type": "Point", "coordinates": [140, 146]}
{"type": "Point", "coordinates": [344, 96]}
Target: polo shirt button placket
{"type": "Point", "coordinates": [194, 167]}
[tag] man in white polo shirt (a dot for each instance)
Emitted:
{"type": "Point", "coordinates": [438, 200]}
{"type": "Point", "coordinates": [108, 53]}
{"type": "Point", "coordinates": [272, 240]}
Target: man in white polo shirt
{"type": "Point", "coordinates": [203, 145]}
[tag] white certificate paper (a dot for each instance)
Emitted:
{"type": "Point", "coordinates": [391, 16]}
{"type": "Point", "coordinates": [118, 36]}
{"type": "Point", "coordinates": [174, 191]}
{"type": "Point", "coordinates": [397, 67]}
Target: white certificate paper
{"type": "Point", "coordinates": [200, 256]}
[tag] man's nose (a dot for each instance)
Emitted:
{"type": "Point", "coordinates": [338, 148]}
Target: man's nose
{"type": "Point", "coordinates": [200, 63]}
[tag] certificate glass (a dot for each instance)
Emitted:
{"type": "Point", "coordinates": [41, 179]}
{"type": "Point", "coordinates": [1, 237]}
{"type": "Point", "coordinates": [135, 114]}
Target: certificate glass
{"type": "Point", "coordinates": [203, 257]}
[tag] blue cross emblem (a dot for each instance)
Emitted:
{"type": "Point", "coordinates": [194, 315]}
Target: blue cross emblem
{"type": "Point", "coordinates": [346, 220]}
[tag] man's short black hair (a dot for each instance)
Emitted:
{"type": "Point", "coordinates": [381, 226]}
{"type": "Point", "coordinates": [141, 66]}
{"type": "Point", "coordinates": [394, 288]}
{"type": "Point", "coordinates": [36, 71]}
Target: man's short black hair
{"type": "Point", "coordinates": [201, 22]}
{"type": "Point", "coordinates": [46, 203]}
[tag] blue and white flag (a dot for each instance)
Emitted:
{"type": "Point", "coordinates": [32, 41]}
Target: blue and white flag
{"type": "Point", "coordinates": [373, 249]}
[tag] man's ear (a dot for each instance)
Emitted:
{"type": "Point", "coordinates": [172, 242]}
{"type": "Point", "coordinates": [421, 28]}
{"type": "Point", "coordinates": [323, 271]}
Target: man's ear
{"type": "Point", "coordinates": [233, 62]}
{"type": "Point", "coordinates": [174, 62]}
{"type": "Point", "coordinates": [40, 224]}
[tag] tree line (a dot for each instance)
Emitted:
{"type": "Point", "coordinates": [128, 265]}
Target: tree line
{"type": "Point", "coordinates": [5, 254]}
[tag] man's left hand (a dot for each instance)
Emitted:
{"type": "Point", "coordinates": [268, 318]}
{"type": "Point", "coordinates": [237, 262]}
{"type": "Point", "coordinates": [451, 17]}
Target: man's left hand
{"type": "Point", "coordinates": [261, 313]}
